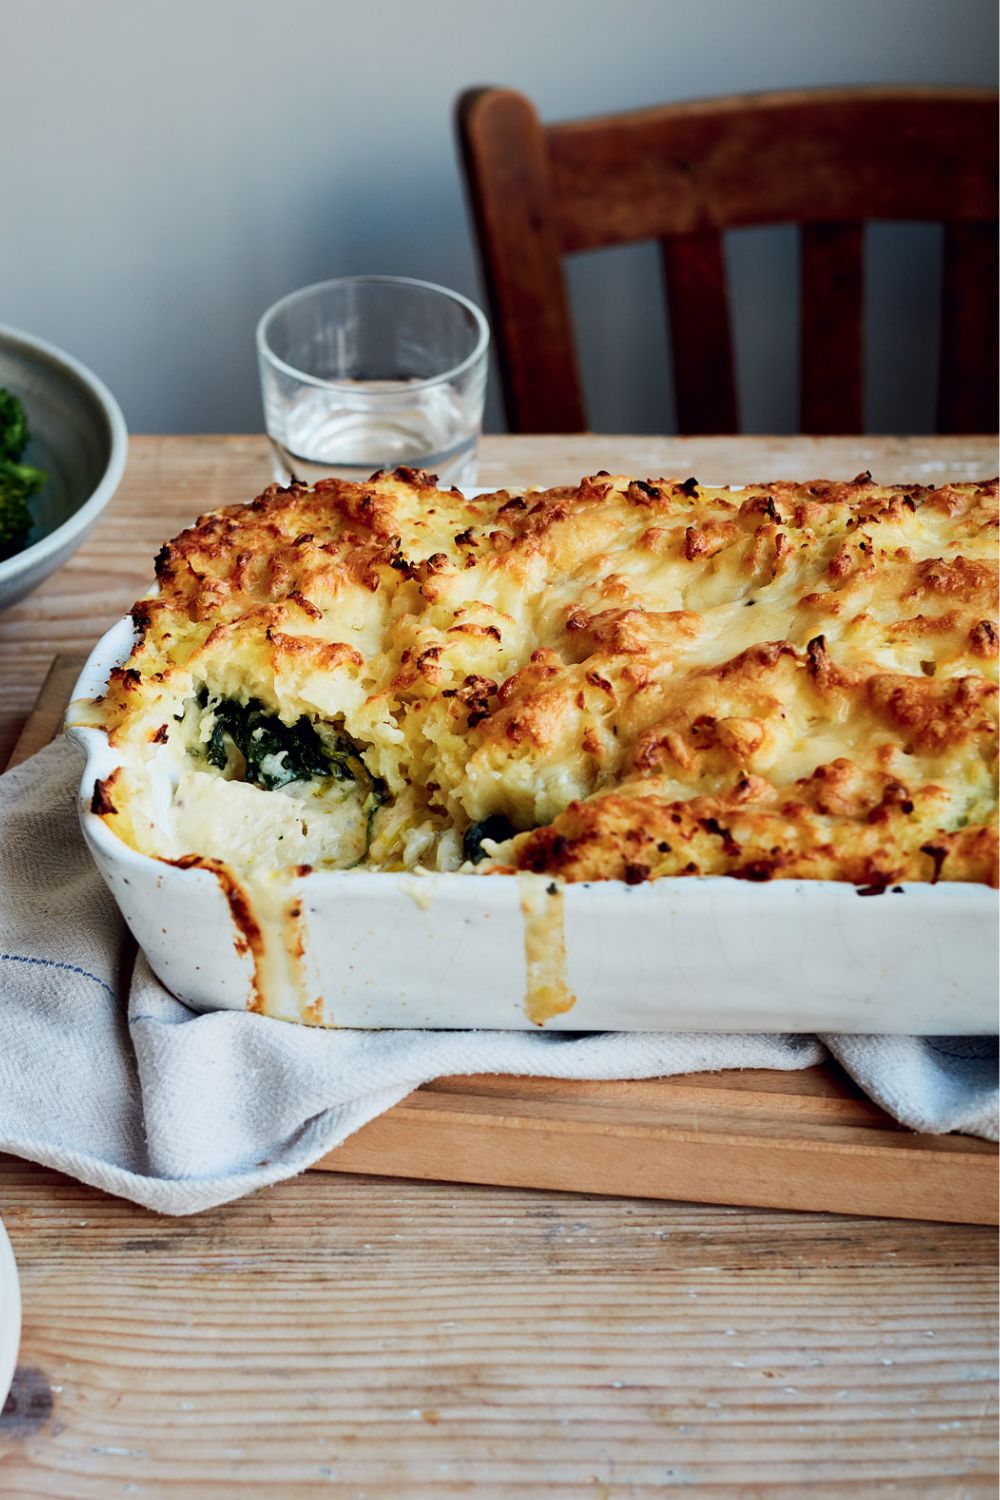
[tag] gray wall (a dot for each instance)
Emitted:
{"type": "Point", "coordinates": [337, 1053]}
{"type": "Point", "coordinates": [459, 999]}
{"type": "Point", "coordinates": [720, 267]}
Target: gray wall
{"type": "Point", "coordinates": [180, 165]}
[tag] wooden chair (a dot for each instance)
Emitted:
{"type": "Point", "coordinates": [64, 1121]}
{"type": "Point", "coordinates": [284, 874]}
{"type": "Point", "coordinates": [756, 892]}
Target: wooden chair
{"type": "Point", "coordinates": [826, 160]}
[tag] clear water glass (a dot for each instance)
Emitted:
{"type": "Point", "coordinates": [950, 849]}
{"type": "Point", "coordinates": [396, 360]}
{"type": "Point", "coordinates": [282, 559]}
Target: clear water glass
{"type": "Point", "coordinates": [367, 372]}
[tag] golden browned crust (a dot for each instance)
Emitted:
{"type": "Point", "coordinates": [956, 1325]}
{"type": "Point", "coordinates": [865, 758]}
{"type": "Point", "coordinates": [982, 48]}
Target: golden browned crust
{"type": "Point", "coordinates": [646, 678]}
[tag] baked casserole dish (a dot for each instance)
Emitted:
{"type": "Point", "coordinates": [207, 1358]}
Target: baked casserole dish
{"type": "Point", "coordinates": [617, 685]}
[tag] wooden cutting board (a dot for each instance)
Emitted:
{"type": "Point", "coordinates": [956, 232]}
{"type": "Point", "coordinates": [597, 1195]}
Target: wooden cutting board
{"type": "Point", "coordinates": [807, 1139]}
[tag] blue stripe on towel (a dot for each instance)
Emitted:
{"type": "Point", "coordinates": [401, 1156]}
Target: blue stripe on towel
{"type": "Point", "coordinates": [51, 963]}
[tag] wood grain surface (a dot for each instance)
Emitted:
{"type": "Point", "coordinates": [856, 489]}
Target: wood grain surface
{"type": "Point", "coordinates": [382, 1339]}
{"type": "Point", "coordinates": [372, 1338]}
{"type": "Point", "coordinates": [806, 1140]}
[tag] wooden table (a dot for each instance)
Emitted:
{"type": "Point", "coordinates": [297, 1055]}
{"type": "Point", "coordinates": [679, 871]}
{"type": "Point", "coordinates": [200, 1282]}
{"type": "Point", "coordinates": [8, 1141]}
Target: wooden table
{"type": "Point", "coordinates": [368, 1337]}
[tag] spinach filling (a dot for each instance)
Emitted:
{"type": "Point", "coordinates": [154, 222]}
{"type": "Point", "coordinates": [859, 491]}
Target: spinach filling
{"type": "Point", "coordinates": [292, 752]}
{"type": "Point", "coordinates": [497, 828]}
{"type": "Point", "coordinates": [275, 754]}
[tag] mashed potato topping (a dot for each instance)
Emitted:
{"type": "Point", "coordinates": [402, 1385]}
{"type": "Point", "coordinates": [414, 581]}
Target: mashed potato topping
{"type": "Point", "coordinates": [623, 679]}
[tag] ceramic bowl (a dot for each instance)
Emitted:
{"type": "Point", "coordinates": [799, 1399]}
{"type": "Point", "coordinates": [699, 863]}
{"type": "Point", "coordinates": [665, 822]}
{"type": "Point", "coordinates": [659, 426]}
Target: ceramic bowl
{"type": "Point", "coordinates": [78, 437]}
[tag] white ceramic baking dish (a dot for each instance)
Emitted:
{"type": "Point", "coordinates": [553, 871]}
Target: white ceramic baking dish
{"type": "Point", "coordinates": [455, 951]}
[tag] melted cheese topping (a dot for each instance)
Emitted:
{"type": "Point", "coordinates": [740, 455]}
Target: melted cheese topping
{"type": "Point", "coordinates": [636, 679]}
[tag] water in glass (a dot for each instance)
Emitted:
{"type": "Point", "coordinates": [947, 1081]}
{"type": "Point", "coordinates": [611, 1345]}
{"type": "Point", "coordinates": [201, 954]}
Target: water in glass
{"type": "Point", "coordinates": [318, 431]}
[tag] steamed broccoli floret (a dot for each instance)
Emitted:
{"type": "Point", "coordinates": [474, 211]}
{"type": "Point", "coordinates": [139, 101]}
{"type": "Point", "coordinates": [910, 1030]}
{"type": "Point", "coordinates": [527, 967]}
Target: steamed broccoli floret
{"type": "Point", "coordinates": [18, 482]}
{"type": "Point", "coordinates": [15, 518]}
{"type": "Point", "coordinates": [13, 426]}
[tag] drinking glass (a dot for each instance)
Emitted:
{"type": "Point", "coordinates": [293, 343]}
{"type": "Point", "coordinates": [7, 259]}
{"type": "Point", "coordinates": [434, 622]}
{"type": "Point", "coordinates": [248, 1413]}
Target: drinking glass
{"type": "Point", "coordinates": [367, 372]}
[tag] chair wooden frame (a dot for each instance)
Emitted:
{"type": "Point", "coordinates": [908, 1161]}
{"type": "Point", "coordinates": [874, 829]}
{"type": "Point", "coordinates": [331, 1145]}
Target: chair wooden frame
{"type": "Point", "coordinates": [681, 174]}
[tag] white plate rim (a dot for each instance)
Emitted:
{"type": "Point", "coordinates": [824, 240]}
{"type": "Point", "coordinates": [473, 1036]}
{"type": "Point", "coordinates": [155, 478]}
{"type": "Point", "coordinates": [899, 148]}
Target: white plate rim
{"type": "Point", "coordinates": [10, 1314]}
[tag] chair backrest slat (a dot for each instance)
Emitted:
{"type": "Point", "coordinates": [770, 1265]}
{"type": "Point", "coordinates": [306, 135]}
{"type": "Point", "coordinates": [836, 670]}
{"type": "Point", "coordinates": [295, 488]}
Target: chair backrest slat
{"type": "Point", "coordinates": [832, 297]}
{"type": "Point", "coordinates": [700, 335]}
{"type": "Point", "coordinates": [507, 169]}
{"type": "Point", "coordinates": [967, 381]}
{"type": "Point", "coordinates": [828, 160]}
{"type": "Point", "coordinates": [794, 157]}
